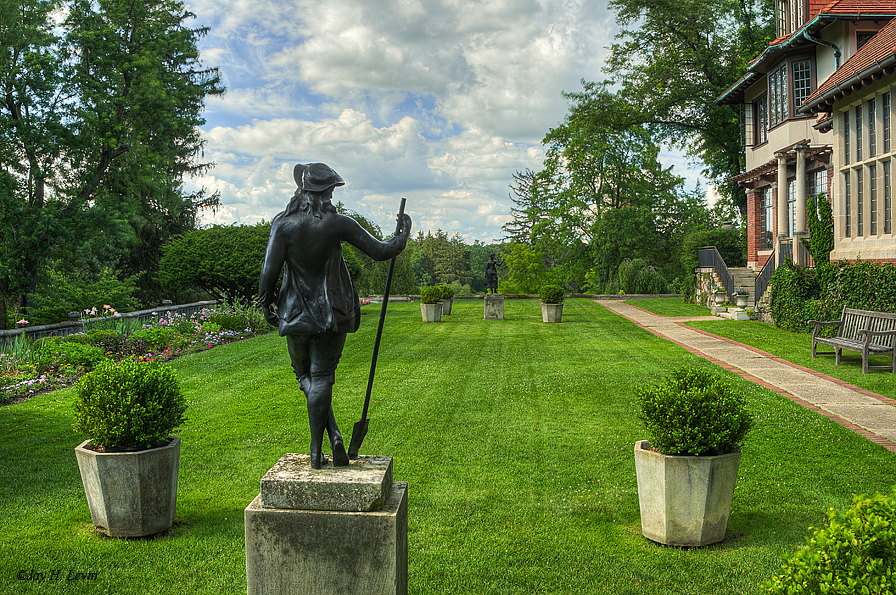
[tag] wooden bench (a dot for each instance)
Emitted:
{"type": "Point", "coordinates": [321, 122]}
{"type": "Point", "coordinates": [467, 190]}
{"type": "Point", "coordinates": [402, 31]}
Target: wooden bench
{"type": "Point", "coordinates": [862, 331]}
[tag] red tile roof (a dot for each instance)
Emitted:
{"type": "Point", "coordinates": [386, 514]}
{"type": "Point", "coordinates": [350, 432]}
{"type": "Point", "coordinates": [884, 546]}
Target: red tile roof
{"type": "Point", "coordinates": [852, 7]}
{"type": "Point", "coordinates": [815, 7]}
{"type": "Point", "coordinates": [865, 62]}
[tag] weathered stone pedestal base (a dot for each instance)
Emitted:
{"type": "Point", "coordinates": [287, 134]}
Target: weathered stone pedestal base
{"type": "Point", "coordinates": [358, 545]}
{"type": "Point", "coordinates": [494, 306]}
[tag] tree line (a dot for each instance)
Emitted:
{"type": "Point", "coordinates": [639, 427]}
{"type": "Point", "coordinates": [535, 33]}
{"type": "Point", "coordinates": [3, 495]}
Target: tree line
{"type": "Point", "coordinates": [195, 261]}
{"type": "Point", "coordinates": [99, 125]}
{"type": "Point", "coordinates": [101, 104]}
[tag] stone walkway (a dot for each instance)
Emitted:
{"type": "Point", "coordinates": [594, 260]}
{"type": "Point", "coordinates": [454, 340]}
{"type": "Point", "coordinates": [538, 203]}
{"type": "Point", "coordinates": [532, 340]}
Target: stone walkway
{"type": "Point", "coordinates": [864, 412]}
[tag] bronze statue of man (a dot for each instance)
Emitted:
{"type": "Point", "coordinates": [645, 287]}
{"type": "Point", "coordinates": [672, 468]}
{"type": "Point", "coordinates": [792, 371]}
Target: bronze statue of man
{"type": "Point", "coordinates": [491, 274]}
{"type": "Point", "coordinates": [317, 304]}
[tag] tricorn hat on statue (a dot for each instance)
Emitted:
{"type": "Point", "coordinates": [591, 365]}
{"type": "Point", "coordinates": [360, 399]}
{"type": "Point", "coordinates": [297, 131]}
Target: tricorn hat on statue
{"type": "Point", "coordinates": [316, 177]}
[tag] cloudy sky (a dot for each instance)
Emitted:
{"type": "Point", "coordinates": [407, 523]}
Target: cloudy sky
{"type": "Point", "coordinates": [439, 101]}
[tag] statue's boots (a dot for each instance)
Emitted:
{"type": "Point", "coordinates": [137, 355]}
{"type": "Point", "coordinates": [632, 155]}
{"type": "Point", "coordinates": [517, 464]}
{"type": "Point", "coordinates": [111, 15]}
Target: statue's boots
{"type": "Point", "coordinates": [319, 392]}
{"type": "Point", "coordinates": [340, 457]}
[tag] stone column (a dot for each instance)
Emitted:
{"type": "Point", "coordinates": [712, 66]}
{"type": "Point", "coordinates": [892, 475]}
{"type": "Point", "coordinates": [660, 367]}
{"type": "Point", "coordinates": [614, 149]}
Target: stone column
{"type": "Point", "coordinates": [781, 204]}
{"type": "Point", "coordinates": [782, 195]}
{"type": "Point", "coordinates": [799, 222]}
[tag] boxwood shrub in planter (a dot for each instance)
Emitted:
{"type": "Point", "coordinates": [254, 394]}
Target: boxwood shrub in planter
{"type": "Point", "coordinates": [551, 297]}
{"type": "Point", "coordinates": [129, 467]}
{"type": "Point", "coordinates": [430, 304]}
{"type": "Point", "coordinates": [687, 470]}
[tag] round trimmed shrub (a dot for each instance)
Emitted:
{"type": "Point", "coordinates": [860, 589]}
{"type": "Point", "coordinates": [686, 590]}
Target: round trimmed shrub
{"type": "Point", "coordinates": [445, 292]}
{"type": "Point", "coordinates": [129, 404]}
{"type": "Point", "coordinates": [693, 412]}
{"type": "Point", "coordinates": [551, 294]}
{"type": "Point", "coordinates": [430, 295]}
{"type": "Point", "coordinates": [853, 553]}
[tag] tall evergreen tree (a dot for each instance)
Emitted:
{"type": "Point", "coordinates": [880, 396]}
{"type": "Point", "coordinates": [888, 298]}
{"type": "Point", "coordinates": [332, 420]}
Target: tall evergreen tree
{"type": "Point", "coordinates": [100, 126]}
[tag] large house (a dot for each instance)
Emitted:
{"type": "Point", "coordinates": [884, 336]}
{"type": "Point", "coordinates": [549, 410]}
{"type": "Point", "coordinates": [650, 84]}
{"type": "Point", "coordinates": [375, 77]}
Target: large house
{"type": "Point", "coordinates": [857, 102]}
{"type": "Point", "coordinates": [816, 119]}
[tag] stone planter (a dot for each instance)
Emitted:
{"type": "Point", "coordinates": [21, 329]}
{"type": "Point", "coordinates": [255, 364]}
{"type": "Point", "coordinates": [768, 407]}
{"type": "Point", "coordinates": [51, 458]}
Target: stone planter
{"type": "Point", "coordinates": [551, 312]}
{"type": "Point", "coordinates": [720, 297]}
{"type": "Point", "coordinates": [446, 306]}
{"type": "Point", "coordinates": [684, 500]}
{"type": "Point", "coordinates": [741, 301]}
{"type": "Point", "coordinates": [431, 312]}
{"type": "Point", "coordinates": [130, 494]}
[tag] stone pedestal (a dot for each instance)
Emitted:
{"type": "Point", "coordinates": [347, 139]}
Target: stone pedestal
{"type": "Point", "coordinates": [337, 530]}
{"type": "Point", "coordinates": [494, 306]}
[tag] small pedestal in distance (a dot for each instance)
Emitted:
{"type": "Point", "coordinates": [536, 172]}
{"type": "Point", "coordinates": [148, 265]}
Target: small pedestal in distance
{"type": "Point", "coordinates": [494, 306]}
{"type": "Point", "coordinates": [337, 530]}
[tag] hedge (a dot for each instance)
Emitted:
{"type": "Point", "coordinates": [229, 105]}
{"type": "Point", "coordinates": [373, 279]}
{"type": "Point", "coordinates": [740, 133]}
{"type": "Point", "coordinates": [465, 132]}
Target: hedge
{"type": "Point", "coordinates": [799, 294]}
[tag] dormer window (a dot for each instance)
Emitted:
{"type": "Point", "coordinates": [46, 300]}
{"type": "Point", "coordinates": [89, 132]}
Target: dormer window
{"type": "Point", "coordinates": [782, 17]}
{"type": "Point", "coordinates": [790, 15]}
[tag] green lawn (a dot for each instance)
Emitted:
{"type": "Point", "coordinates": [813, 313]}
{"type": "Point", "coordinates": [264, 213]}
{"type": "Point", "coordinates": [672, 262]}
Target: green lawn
{"type": "Point", "coordinates": [671, 306]}
{"type": "Point", "coordinates": [516, 438]}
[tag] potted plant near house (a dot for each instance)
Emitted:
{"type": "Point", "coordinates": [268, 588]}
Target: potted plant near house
{"type": "Point", "coordinates": [551, 297]}
{"type": "Point", "coordinates": [688, 468]}
{"type": "Point", "coordinates": [447, 299]}
{"type": "Point", "coordinates": [741, 295]}
{"type": "Point", "coordinates": [431, 304]}
{"type": "Point", "coordinates": [129, 466]}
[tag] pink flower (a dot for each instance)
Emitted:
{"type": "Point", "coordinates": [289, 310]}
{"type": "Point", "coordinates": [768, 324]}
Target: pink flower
{"type": "Point", "coordinates": [23, 321]}
{"type": "Point", "coordinates": [93, 311]}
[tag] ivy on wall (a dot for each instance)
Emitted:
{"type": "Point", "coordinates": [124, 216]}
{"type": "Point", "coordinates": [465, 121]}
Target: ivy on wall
{"type": "Point", "coordinates": [799, 294]}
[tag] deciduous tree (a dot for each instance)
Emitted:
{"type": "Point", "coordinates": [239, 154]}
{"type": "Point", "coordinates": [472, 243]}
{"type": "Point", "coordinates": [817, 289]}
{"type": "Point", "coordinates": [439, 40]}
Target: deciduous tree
{"type": "Point", "coordinates": [673, 58]}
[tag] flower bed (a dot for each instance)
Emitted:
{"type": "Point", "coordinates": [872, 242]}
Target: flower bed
{"type": "Point", "coordinates": [27, 369]}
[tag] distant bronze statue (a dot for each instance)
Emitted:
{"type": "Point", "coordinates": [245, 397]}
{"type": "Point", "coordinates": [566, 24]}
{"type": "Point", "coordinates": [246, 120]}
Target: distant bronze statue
{"type": "Point", "coordinates": [317, 304]}
{"type": "Point", "coordinates": [491, 274]}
